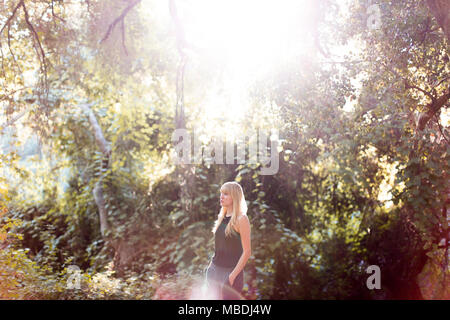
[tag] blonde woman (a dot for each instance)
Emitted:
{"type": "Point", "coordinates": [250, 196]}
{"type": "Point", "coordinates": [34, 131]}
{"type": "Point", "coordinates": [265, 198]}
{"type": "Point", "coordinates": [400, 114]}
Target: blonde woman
{"type": "Point", "coordinates": [225, 273]}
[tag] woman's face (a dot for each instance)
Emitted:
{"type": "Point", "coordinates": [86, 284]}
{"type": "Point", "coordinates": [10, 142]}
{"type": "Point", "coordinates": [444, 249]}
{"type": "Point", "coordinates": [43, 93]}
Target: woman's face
{"type": "Point", "coordinates": [225, 199]}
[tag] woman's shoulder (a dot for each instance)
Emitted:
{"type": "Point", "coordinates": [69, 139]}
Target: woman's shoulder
{"type": "Point", "coordinates": [242, 216]}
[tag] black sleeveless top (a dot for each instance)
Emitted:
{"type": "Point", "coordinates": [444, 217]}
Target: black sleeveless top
{"type": "Point", "coordinates": [228, 249]}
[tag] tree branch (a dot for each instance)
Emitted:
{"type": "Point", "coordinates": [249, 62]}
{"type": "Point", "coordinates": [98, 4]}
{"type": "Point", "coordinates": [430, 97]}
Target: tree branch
{"type": "Point", "coordinates": [181, 38]}
{"type": "Point", "coordinates": [10, 50]}
{"type": "Point", "coordinates": [55, 15]}
{"type": "Point", "coordinates": [99, 138]}
{"type": "Point", "coordinates": [33, 31]}
{"type": "Point", "coordinates": [432, 108]}
{"type": "Point", "coordinates": [5, 96]}
{"type": "Point", "coordinates": [429, 95]}
{"type": "Point", "coordinates": [122, 27]}
{"type": "Point", "coordinates": [98, 189]}
{"type": "Point", "coordinates": [441, 11]}
{"type": "Point", "coordinates": [8, 24]}
{"type": "Point", "coordinates": [439, 83]}
{"type": "Point", "coordinates": [440, 129]}
{"type": "Point", "coordinates": [11, 121]}
{"type": "Point", "coordinates": [408, 85]}
{"type": "Point", "coordinates": [12, 16]}
{"type": "Point", "coordinates": [118, 19]}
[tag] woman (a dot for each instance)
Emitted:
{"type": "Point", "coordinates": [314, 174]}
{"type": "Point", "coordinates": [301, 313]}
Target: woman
{"type": "Point", "coordinates": [225, 273]}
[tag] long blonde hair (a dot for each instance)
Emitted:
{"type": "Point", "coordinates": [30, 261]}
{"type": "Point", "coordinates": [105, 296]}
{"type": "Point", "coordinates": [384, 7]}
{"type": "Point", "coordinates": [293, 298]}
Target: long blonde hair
{"type": "Point", "coordinates": [239, 207]}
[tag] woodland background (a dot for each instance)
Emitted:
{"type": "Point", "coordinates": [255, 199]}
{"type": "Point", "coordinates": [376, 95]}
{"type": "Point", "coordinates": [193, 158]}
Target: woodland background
{"type": "Point", "coordinates": [91, 92]}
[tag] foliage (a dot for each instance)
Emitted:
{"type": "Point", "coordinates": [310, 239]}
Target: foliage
{"type": "Point", "coordinates": [362, 176]}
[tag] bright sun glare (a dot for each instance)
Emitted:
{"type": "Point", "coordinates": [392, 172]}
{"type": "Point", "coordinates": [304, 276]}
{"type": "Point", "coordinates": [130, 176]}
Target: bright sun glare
{"type": "Point", "coordinates": [247, 34]}
{"type": "Point", "coordinates": [246, 38]}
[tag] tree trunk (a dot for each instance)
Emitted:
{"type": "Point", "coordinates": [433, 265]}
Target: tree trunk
{"type": "Point", "coordinates": [441, 11]}
{"type": "Point", "coordinates": [106, 150]}
{"type": "Point", "coordinates": [124, 252]}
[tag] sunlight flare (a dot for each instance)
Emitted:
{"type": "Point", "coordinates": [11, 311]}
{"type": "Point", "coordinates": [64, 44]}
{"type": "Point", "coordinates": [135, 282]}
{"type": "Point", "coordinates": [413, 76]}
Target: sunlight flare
{"type": "Point", "coordinates": [245, 40]}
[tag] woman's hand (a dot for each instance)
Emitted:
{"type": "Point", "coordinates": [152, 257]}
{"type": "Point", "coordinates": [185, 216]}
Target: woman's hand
{"type": "Point", "coordinates": [231, 278]}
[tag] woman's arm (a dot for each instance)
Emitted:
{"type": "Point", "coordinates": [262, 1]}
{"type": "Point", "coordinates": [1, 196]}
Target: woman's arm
{"type": "Point", "coordinates": [245, 232]}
